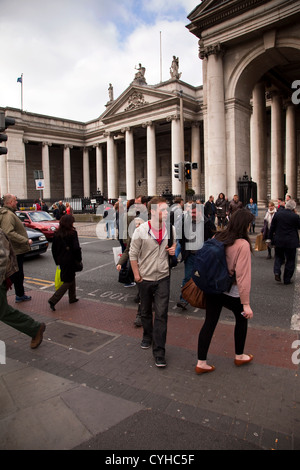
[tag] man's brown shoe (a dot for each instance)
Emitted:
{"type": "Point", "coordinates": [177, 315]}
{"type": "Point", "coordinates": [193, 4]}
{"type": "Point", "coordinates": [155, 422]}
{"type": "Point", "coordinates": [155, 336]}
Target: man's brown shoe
{"type": "Point", "coordinates": [36, 341]}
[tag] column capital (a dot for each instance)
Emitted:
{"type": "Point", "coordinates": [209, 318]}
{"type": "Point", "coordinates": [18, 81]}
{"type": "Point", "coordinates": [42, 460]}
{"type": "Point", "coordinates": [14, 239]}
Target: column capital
{"type": "Point", "coordinates": [125, 129]}
{"type": "Point", "coordinates": [46, 143]}
{"type": "Point", "coordinates": [147, 124]}
{"type": "Point", "coordinates": [212, 49]}
{"type": "Point", "coordinates": [270, 94]}
{"type": "Point", "coordinates": [173, 117]}
{"type": "Point", "coordinates": [68, 146]}
{"type": "Point", "coordinates": [108, 134]}
{"type": "Point", "coordinates": [287, 102]}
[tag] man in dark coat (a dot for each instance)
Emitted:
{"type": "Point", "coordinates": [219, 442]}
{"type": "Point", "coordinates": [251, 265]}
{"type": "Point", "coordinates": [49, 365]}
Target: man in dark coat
{"type": "Point", "coordinates": [285, 237]}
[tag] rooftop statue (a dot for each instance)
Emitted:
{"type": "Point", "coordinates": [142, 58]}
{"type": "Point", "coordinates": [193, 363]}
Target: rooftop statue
{"type": "Point", "coordinates": [139, 78]}
{"type": "Point", "coordinates": [111, 92]}
{"type": "Point", "coordinates": [174, 69]}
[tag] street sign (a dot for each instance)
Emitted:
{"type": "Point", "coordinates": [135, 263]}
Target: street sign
{"type": "Point", "coordinates": [39, 184]}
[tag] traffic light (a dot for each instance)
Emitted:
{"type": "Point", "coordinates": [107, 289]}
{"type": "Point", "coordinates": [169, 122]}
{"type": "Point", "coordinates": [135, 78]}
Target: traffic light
{"type": "Point", "coordinates": [178, 171]}
{"type": "Point", "coordinates": [187, 171]}
{"type": "Point", "coordinates": [4, 123]}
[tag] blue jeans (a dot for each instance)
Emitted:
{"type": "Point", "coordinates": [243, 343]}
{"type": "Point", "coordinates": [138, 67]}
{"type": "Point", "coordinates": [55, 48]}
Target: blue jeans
{"type": "Point", "coordinates": [178, 248]}
{"type": "Point", "coordinates": [110, 227]}
{"type": "Point", "coordinates": [156, 294]}
{"type": "Point", "coordinates": [188, 271]}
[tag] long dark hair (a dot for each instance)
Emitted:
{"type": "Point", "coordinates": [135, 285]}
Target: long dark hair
{"type": "Point", "coordinates": [237, 227]}
{"type": "Point", "coordinates": [66, 226]}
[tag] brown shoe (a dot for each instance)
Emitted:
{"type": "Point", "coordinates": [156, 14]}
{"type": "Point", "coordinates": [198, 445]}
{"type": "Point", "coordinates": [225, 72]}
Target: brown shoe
{"type": "Point", "coordinates": [241, 362]}
{"type": "Point", "coordinates": [36, 341]}
{"type": "Point", "coordinates": [200, 370]}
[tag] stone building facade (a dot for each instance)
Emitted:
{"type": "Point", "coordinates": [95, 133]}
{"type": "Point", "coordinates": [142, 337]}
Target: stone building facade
{"type": "Point", "coordinates": [244, 119]}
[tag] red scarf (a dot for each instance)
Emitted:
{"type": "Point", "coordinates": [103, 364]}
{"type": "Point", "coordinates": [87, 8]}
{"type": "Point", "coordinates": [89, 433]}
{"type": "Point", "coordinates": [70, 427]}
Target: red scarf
{"type": "Point", "coordinates": [158, 234]}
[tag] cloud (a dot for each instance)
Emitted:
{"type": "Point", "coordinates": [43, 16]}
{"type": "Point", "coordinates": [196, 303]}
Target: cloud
{"type": "Point", "coordinates": [69, 51]}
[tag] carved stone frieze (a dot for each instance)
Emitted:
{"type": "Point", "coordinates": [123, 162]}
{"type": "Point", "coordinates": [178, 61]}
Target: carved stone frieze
{"type": "Point", "coordinates": [136, 100]}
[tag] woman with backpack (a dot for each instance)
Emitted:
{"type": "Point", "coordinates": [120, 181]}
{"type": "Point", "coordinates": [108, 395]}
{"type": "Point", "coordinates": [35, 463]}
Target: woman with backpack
{"type": "Point", "coordinates": [238, 256]}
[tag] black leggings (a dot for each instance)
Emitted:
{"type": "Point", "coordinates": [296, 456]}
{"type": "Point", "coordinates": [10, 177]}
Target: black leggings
{"type": "Point", "coordinates": [214, 304]}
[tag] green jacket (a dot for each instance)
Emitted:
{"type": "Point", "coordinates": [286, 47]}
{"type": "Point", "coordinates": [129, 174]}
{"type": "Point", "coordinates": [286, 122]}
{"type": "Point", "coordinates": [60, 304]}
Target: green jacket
{"type": "Point", "coordinates": [8, 261]}
{"type": "Point", "coordinates": [14, 229]}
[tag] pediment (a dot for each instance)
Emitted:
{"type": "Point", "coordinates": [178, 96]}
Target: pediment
{"type": "Point", "coordinates": [205, 7]}
{"type": "Point", "coordinates": [135, 99]}
{"type": "Point", "coordinates": [212, 12]}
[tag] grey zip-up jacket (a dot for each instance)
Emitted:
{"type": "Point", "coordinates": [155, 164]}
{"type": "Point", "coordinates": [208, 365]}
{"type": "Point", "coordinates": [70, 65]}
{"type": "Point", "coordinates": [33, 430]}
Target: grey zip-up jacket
{"type": "Point", "coordinates": [152, 258]}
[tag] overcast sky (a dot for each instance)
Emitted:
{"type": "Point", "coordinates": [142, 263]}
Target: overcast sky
{"type": "Point", "coordinates": [69, 51]}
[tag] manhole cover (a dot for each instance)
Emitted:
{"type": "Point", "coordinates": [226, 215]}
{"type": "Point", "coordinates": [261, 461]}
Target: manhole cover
{"type": "Point", "coordinates": [76, 337]}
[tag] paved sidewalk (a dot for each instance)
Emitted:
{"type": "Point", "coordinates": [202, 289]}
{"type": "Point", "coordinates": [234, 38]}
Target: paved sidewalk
{"type": "Point", "coordinates": [90, 385]}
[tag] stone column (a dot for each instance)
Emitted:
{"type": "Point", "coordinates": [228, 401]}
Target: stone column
{"type": "Point", "coordinates": [216, 135]}
{"type": "Point", "coordinates": [277, 167]}
{"type": "Point", "coordinates": [258, 143]}
{"type": "Point", "coordinates": [129, 163]}
{"type": "Point", "coordinates": [291, 150]}
{"type": "Point", "coordinates": [46, 169]}
{"type": "Point", "coordinates": [111, 170]}
{"type": "Point", "coordinates": [67, 172]}
{"type": "Point", "coordinates": [3, 175]}
{"type": "Point", "coordinates": [86, 173]}
{"type": "Point", "coordinates": [176, 154]}
{"type": "Point", "coordinates": [151, 158]}
{"type": "Point", "coordinates": [99, 168]}
{"type": "Point", "coordinates": [196, 157]}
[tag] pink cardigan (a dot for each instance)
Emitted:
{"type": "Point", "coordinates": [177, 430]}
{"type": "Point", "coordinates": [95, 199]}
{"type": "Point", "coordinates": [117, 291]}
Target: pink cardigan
{"type": "Point", "coordinates": [238, 258]}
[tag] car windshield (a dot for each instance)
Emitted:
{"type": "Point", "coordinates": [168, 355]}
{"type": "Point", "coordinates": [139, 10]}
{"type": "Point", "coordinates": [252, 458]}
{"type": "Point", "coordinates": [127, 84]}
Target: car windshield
{"type": "Point", "coordinates": [40, 216]}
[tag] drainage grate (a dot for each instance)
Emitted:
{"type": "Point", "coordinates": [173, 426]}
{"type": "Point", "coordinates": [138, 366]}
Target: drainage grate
{"type": "Point", "coordinates": [77, 337]}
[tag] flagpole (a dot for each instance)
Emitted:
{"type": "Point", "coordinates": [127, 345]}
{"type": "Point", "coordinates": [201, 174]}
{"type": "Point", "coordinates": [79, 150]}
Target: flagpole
{"type": "Point", "coordinates": [21, 92]}
{"type": "Point", "coordinates": [160, 53]}
{"type": "Point", "coordinates": [20, 80]}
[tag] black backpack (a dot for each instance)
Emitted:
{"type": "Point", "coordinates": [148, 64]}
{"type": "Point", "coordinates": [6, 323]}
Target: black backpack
{"type": "Point", "coordinates": [210, 268]}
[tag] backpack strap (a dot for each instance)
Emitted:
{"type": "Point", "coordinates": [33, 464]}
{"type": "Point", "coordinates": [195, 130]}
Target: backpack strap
{"type": "Point", "coordinates": [172, 259]}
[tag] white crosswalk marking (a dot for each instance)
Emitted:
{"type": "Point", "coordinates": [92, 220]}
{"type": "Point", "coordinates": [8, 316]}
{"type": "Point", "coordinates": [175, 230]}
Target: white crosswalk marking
{"type": "Point", "coordinates": [295, 320]}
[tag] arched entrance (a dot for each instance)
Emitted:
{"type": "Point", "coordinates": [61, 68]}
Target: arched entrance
{"type": "Point", "coordinates": [251, 56]}
{"type": "Point", "coordinates": [264, 79]}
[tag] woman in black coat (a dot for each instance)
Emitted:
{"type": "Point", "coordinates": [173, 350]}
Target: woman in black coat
{"type": "Point", "coordinates": [221, 209]}
{"type": "Point", "coordinates": [66, 252]}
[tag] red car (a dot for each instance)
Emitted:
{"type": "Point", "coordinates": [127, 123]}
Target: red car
{"type": "Point", "coordinates": [39, 220]}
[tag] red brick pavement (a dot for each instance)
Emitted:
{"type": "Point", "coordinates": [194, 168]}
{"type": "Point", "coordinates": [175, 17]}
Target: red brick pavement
{"type": "Point", "coordinates": [272, 347]}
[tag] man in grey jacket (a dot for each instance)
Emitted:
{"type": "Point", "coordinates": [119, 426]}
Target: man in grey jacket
{"type": "Point", "coordinates": [15, 231]}
{"type": "Point", "coordinates": [149, 257]}
{"type": "Point", "coordinates": [9, 315]}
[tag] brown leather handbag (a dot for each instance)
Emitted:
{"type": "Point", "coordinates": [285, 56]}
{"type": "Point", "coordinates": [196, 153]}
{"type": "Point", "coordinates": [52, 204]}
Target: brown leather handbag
{"type": "Point", "coordinates": [193, 295]}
